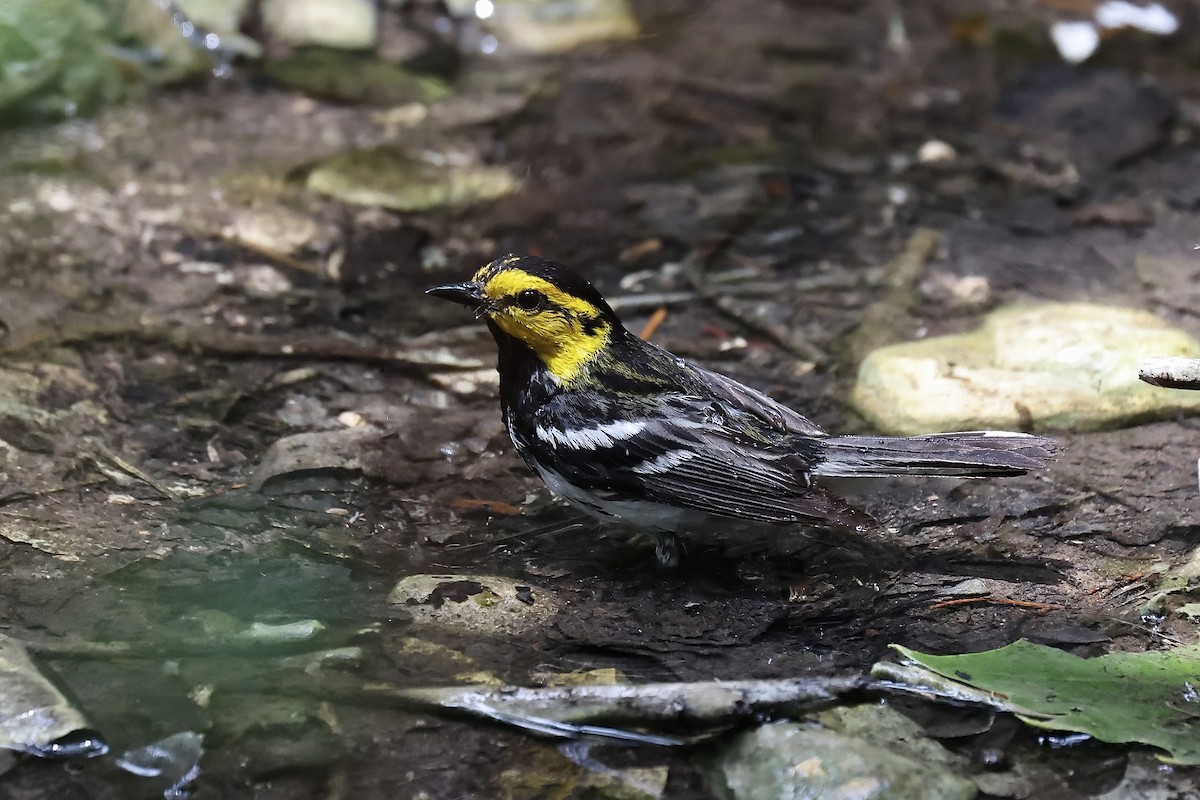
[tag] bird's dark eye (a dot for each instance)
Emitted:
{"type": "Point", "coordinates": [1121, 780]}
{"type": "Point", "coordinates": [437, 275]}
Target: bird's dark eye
{"type": "Point", "coordinates": [530, 300]}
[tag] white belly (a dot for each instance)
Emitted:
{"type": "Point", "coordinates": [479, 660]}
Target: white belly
{"type": "Point", "coordinates": [637, 513]}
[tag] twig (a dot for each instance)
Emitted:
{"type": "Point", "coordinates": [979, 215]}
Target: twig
{"type": "Point", "coordinates": [687, 704]}
{"type": "Point", "coordinates": [413, 354]}
{"type": "Point", "coordinates": [888, 318]}
{"type": "Point", "coordinates": [789, 339]}
{"type": "Point", "coordinates": [640, 302]}
{"type": "Point", "coordinates": [813, 284]}
{"type": "Point", "coordinates": [654, 323]}
{"type": "Point", "coordinates": [22, 496]}
{"type": "Point", "coordinates": [491, 506]}
{"type": "Point", "coordinates": [102, 457]}
{"type": "Point", "coordinates": [278, 256]}
{"type": "Point", "coordinates": [1000, 601]}
{"type": "Point", "coordinates": [1171, 373]}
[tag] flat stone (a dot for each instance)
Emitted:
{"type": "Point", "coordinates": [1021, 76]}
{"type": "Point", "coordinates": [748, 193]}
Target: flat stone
{"type": "Point", "coordinates": [273, 228]}
{"type": "Point", "coordinates": [353, 78]}
{"type": "Point", "coordinates": [389, 178]}
{"type": "Point", "coordinates": [314, 451]}
{"type": "Point", "coordinates": [1061, 366]}
{"type": "Point", "coordinates": [477, 604]}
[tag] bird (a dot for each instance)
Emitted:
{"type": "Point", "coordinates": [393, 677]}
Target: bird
{"type": "Point", "coordinates": [631, 433]}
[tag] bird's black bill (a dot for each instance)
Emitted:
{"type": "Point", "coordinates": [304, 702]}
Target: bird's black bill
{"type": "Point", "coordinates": [466, 294]}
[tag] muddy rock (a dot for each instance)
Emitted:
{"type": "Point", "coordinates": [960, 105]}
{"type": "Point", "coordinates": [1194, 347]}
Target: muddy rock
{"type": "Point", "coordinates": [1146, 779]}
{"type": "Point", "coordinates": [476, 604]}
{"type": "Point", "coordinates": [544, 773]}
{"type": "Point", "coordinates": [419, 655]}
{"type": "Point", "coordinates": [323, 451]}
{"type": "Point", "coordinates": [808, 760]}
{"type": "Point", "coordinates": [1068, 366]}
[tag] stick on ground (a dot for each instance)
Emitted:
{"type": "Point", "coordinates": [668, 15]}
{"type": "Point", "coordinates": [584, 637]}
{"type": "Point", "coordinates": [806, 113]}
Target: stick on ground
{"type": "Point", "coordinates": [1171, 373]}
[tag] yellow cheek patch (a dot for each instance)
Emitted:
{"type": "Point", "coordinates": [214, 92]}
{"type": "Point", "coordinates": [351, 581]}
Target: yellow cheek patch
{"type": "Point", "coordinates": [556, 333]}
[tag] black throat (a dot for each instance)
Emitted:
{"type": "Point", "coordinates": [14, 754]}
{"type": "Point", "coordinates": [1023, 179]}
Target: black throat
{"type": "Point", "coordinates": [525, 383]}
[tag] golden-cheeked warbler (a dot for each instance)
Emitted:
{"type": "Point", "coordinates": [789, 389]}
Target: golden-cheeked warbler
{"type": "Point", "coordinates": [629, 432]}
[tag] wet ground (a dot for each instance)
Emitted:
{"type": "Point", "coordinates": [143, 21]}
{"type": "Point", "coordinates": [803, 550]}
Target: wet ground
{"type": "Point", "coordinates": [751, 168]}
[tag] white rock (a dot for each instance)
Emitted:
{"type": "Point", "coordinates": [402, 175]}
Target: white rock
{"type": "Point", "coordinates": [263, 280]}
{"type": "Point", "coordinates": [936, 151]}
{"type": "Point", "coordinates": [1151, 18]}
{"type": "Point", "coordinates": [1076, 40]}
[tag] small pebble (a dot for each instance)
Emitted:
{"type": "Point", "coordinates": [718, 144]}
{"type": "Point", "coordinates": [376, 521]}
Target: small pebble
{"type": "Point", "coordinates": [936, 151]}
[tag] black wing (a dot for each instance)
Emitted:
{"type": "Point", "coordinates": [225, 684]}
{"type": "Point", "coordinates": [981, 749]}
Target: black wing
{"type": "Point", "coordinates": [755, 402]}
{"type": "Point", "coordinates": [689, 452]}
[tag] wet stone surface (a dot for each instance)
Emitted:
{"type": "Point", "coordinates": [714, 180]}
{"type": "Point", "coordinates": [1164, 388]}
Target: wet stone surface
{"type": "Point", "coordinates": [231, 423]}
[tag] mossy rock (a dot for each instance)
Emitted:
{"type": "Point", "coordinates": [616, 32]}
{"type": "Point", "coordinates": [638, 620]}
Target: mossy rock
{"type": "Point", "coordinates": [487, 605]}
{"type": "Point", "coordinates": [1060, 366]}
{"type": "Point", "coordinates": [353, 78]}
{"type": "Point", "coordinates": [390, 178]}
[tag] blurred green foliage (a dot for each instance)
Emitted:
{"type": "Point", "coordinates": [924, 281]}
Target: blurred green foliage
{"type": "Point", "coordinates": [55, 59]}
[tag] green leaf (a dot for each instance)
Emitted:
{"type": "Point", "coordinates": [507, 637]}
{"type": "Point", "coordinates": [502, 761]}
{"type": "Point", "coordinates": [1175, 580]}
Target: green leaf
{"type": "Point", "coordinates": [1150, 698]}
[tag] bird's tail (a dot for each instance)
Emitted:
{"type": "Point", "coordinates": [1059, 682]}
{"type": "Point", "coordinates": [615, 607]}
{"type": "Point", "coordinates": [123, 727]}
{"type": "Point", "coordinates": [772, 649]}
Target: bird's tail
{"type": "Point", "coordinates": [973, 454]}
